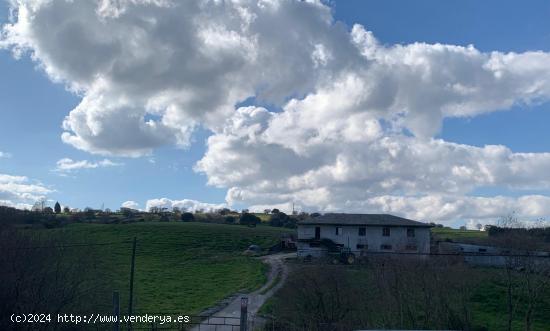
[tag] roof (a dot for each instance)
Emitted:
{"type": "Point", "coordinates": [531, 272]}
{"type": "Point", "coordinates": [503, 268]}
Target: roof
{"type": "Point", "coordinates": [362, 219]}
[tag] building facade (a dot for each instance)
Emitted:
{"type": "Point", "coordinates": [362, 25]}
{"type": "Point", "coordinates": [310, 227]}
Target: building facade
{"type": "Point", "coordinates": [362, 233]}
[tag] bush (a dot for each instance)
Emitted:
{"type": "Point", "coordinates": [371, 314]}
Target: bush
{"type": "Point", "coordinates": [230, 219]}
{"type": "Point", "coordinates": [249, 219]}
{"type": "Point", "coordinates": [187, 217]}
{"type": "Point", "coordinates": [278, 219]}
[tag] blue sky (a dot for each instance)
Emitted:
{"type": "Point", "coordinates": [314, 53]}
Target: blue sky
{"type": "Point", "coordinates": [33, 107]}
{"type": "Point", "coordinates": [32, 110]}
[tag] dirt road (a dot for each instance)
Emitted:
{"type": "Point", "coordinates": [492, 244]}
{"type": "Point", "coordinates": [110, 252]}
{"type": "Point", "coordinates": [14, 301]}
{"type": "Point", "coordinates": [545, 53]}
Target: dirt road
{"type": "Point", "coordinates": [278, 273]}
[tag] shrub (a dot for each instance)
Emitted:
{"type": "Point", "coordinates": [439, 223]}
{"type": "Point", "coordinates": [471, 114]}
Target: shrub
{"type": "Point", "coordinates": [187, 217]}
{"type": "Point", "coordinates": [249, 219]}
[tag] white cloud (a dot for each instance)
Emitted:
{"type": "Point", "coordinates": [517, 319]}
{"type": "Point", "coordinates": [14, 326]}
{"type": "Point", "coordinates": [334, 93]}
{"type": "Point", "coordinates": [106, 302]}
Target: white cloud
{"type": "Point", "coordinates": [184, 205]}
{"type": "Point", "coordinates": [68, 165]}
{"type": "Point", "coordinates": [20, 191]}
{"type": "Point", "coordinates": [130, 204]}
{"type": "Point", "coordinates": [375, 171]}
{"type": "Point", "coordinates": [358, 120]}
{"type": "Point", "coordinates": [150, 72]}
{"type": "Point", "coordinates": [4, 155]}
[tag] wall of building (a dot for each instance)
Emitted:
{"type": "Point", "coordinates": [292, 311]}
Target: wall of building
{"type": "Point", "coordinates": [373, 240]}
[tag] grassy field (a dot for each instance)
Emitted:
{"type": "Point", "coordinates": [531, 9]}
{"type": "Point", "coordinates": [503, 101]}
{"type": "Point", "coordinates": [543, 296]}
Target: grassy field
{"type": "Point", "coordinates": [457, 235]}
{"type": "Point", "coordinates": [180, 267]}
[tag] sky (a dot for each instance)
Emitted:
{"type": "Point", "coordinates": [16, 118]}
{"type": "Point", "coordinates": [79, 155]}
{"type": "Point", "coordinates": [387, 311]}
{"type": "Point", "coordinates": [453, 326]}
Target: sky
{"type": "Point", "coordinates": [432, 110]}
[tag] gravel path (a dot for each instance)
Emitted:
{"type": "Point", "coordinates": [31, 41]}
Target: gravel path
{"type": "Point", "coordinates": [278, 272]}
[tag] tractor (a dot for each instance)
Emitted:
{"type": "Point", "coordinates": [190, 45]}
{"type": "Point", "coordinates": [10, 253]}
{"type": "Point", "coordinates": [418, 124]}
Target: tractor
{"type": "Point", "coordinates": [338, 253]}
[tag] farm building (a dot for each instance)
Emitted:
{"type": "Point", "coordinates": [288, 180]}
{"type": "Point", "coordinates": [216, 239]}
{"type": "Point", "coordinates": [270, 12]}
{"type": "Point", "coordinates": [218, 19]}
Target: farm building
{"type": "Point", "coordinates": [362, 233]}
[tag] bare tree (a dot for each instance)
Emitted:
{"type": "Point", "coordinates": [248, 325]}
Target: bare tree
{"type": "Point", "coordinates": [40, 276]}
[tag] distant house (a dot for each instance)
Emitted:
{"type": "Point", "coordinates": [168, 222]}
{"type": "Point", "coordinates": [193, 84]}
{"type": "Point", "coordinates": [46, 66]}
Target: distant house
{"type": "Point", "coordinates": [362, 233]}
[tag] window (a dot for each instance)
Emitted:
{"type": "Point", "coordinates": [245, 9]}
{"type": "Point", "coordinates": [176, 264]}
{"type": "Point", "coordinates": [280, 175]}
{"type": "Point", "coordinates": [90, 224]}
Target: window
{"type": "Point", "coordinates": [362, 232]}
{"type": "Point", "coordinates": [314, 244]}
{"type": "Point", "coordinates": [338, 231]}
{"type": "Point", "coordinates": [411, 247]}
{"type": "Point", "coordinates": [482, 250]}
{"type": "Point", "coordinates": [317, 232]}
{"type": "Point", "coordinates": [386, 232]}
{"type": "Point", "coordinates": [385, 247]}
{"type": "Point", "coordinates": [362, 246]}
{"type": "Point", "coordinates": [410, 233]}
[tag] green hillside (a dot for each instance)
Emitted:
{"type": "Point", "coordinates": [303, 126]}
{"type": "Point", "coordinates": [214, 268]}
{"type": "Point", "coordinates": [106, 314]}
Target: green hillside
{"type": "Point", "coordinates": [180, 267]}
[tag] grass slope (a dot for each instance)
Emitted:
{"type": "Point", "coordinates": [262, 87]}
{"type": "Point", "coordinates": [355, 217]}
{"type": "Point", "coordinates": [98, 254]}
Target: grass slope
{"type": "Point", "coordinates": [180, 267]}
{"type": "Point", "coordinates": [459, 235]}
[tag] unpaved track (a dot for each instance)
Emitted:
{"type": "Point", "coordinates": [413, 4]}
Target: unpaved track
{"type": "Point", "coordinates": [255, 299]}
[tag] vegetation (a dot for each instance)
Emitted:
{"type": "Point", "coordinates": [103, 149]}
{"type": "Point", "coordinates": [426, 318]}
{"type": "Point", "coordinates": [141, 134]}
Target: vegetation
{"type": "Point", "coordinates": [249, 219]}
{"type": "Point", "coordinates": [180, 267]}
{"type": "Point", "coordinates": [448, 234]}
{"type": "Point", "coordinates": [400, 293]}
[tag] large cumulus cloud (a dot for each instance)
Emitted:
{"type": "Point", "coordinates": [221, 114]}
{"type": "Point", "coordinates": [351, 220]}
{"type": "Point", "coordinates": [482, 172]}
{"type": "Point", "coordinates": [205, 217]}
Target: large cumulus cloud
{"type": "Point", "coordinates": [150, 71]}
{"type": "Point", "coordinates": [356, 118]}
{"type": "Point", "coordinates": [357, 165]}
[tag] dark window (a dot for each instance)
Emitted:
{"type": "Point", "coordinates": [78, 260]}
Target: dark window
{"type": "Point", "coordinates": [338, 231]}
{"type": "Point", "coordinates": [482, 250]}
{"type": "Point", "coordinates": [362, 232]}
{"type": "Point", "coordinates": [411, 247]}
{"type": "Point", "coordinates": [361, 246]}
{"type": "Point", "coordinates": [386, 232]}
{"type": "Point", "coordinates": [410, 232]}
{"type": "Point", "coordinates": [385, 247]}
{"type": "Point", "coordinates": [317, 232]}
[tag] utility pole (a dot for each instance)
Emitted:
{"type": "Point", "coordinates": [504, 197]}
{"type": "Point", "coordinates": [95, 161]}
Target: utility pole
{"type": "Point", "coordinates": [244, 313]}
{"type": "Point", "coordinates": [131, 299]}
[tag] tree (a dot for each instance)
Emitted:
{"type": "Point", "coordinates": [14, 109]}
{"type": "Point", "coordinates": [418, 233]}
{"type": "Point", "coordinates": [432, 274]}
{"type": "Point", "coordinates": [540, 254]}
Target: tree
{"type": "Point", "coordinates": [224, 211]}
{"type": "Point", "coordinates": [249, 219]}
{"type": "Point", "coordinates": [48, 210]}
{"type": "Point", "coordinates": [524, 271]}
{"type": "Point", "coordinates": [45, 280]}
{"type": "Point", "coordinates": [57, 208]}
{"type": "Point", "coordinates": [278, 219]}
{"type": "Point", "coordinates": [275, 211]}
{"type": "Point", "coordinates": [66, 210]}
{"type": "Point", "coordinates": [187, 217]}
{"type": "Point", "coordinates": [230, 219]}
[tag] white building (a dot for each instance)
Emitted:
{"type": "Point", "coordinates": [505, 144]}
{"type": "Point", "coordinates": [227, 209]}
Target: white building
{"type": "Point", "coordinates": [362, 233]}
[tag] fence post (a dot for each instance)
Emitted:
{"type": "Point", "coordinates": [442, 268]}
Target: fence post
{"type": "Point", "coordinates": [116, 310]}
{"type": "Point", "coordinates": [131, 299]}
{"type": "Point", "coordinates": [244, 313]}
